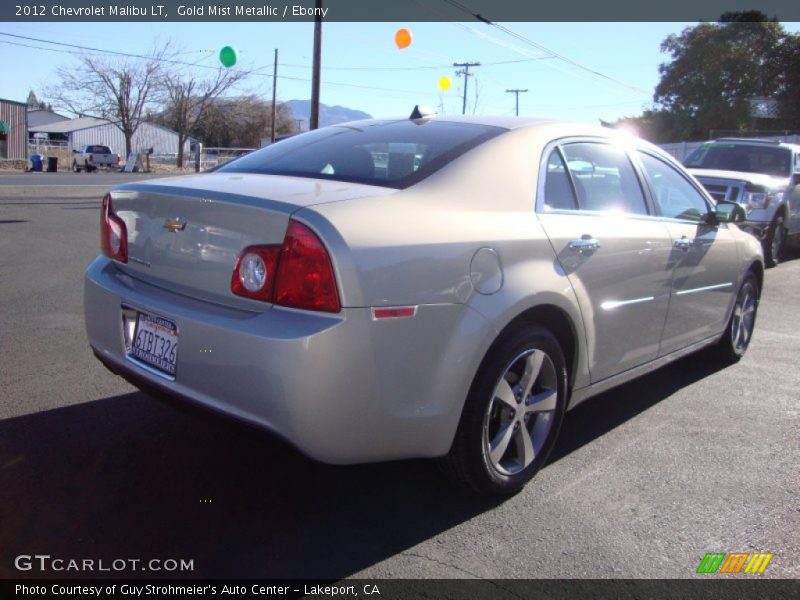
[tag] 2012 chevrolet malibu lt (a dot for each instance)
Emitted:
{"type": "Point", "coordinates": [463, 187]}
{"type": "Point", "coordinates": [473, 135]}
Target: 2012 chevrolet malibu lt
{"type": "Point", "coordinates": [422, 287]}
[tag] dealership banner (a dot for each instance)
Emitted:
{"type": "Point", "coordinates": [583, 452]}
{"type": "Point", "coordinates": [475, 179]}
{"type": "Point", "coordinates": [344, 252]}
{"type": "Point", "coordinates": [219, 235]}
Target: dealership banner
{"type": "Point", "coordinates": [387, 10]}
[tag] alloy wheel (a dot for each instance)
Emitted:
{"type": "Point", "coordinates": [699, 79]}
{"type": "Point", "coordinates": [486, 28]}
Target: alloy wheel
{"type": "Point", "coordinates": [521, 412]}
{"type": "Point", "coordinates": [744, 316]}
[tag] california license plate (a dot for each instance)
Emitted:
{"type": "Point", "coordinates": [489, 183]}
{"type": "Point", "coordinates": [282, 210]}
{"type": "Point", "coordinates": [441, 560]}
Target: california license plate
{"type": "Point", "coordinates": [155, 342]}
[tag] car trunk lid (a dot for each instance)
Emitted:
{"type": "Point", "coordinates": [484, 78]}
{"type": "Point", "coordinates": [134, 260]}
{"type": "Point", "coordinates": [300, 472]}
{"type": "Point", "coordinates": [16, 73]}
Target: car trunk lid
{"type": "Point", "coordinates": [185, 234]}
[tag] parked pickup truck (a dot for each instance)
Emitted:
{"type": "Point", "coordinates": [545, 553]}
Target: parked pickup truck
{"type": "Point", "coordinates": [93, 156]}
{"type": "Point", "coordinates": [762, 176]}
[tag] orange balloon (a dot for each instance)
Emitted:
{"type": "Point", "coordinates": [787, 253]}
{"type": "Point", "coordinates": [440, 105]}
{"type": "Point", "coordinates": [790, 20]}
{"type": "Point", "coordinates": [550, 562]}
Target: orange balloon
{"type": "Point", "coordinates": [402, 38]}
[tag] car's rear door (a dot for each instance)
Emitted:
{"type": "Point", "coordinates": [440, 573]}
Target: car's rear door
{"type": "Point", "coordinates": [613, 250]}
{"type": "Point", "coordinates": [704, 258]}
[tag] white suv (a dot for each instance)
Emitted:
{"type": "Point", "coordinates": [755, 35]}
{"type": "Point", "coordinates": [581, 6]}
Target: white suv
{"type": "Point", "coordinates": [763, 177]}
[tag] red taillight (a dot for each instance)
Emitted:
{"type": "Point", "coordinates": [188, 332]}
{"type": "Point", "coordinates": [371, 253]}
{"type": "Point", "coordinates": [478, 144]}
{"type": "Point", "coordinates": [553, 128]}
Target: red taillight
{"type": "Point", "coordinates": [119, 159]}
{"type": "Point", "coordinates": [303, 272]}
{"type": "Point", "coordinates": [254, 273]}
{"type": "Point", "coordinates": [113, 233]}
{"type": "Point", "coordinates": [91, 158]}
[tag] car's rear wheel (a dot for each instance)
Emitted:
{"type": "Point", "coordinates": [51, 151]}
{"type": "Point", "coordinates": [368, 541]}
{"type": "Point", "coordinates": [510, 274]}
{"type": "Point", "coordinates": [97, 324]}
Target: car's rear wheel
{"type": "Point", "coordinates": [737, 336]}
{"type": "Point", "coordinates": [775, 242]}
{"type": "Point", "coordinates": [512, 414]}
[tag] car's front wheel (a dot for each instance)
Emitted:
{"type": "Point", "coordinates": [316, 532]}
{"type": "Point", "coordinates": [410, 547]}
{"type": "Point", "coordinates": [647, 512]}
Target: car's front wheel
{"type": "Point", "coordinates": [512, 414]}
{"type": "Point", "coordinates": [775, 242]}
{"type": "Point", "coordinates": [75, 168]}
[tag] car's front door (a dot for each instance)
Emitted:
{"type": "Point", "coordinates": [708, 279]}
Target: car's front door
{"type": "Point", "coordinates": [704, 260]}
{"type": "Point", "coordinates": [614, 252]}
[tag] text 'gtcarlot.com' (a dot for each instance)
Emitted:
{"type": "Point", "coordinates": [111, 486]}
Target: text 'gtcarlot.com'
{"type": "Point", "coordinates": [45, 563]}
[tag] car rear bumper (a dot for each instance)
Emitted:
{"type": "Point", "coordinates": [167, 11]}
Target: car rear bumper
{"type": "Point", "coordinates": [341, 388]}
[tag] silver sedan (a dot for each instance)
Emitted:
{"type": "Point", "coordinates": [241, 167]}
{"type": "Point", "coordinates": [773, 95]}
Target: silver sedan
{"type": "Point", "coordinates": [422, 287]}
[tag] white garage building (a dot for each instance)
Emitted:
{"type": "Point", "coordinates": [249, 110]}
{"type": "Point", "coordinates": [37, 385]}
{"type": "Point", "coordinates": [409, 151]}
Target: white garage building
{"type": "Point", "coordinates": [88, 130]}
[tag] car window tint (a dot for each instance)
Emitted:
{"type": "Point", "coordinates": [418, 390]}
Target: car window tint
{"type": "Point", "coordinates": [558, 194]}
{"type": "Point", "coordinates": [387, 153]}
{"type": "Point", "coordinates": [604, 178]}
{"type": "Point", "coordinates": [674, 196]}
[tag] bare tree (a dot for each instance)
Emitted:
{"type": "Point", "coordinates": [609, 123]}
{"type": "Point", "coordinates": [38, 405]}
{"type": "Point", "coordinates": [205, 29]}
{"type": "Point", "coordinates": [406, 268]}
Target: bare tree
{"type": "Point", "coordinates": [187, 97]}
{"type": "Point", "coordinates": [119, 89]}
{"type": "Point", "coordinates": [242, 121]}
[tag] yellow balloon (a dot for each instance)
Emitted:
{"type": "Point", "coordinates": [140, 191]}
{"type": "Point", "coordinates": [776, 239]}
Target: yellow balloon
{"type": "Point", "coordinates": [444, 83]}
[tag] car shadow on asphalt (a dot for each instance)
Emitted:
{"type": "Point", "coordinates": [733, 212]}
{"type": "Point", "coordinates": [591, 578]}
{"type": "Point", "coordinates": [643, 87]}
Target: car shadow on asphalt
{"type": "Point", "coordinates": [132, 477]}
{"type": "Point", "coordinates": [604, 412]}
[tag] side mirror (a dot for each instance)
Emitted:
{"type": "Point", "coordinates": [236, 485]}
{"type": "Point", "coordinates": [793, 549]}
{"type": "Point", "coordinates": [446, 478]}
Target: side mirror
{"type": "Point", "coordinates": [729, 212]}
{"type": "Point", "coordinates": [796, 179]}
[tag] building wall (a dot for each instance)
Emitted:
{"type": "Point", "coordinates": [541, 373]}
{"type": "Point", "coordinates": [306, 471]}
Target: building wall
{"type": "Point", "coordinates": [163, 141]}
{"type": "Point", "coordinates": [16, 142]}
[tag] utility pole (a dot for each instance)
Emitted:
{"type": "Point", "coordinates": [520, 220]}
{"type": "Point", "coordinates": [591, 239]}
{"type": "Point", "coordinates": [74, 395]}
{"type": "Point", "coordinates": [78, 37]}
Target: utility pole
{"type": "Point", "coordinates": [313, 118]}
{"type": "Point", "coordinates": [274, 88]}
{"type": "Point", "coordinates": [299, 124]}
{"type": "Point", "coordinates": [465, 72]}
{"type": "Point", "coordinates": [516, 93]}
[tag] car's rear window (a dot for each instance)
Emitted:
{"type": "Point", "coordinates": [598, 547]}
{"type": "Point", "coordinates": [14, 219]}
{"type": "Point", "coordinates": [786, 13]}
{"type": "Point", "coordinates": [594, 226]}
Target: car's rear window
{"type": "Point", "coordinates": [98, 149]}
{"type": "Point", "coordinates": [394, 154]}
{"type": "Point", "coordinates": [749, 158]}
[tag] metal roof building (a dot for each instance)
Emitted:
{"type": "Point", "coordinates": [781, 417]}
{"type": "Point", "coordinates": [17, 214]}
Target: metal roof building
{"type": "Point", "coordinates": [13, 130]}
{"type": "Point", "coordinates": [38, 116]}
{"type": "Point", "coordinates": [88, 130]}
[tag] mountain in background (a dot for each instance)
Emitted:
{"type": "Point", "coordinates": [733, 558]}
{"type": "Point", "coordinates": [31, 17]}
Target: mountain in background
{"type": "Point", "coordinates": [328, 115]}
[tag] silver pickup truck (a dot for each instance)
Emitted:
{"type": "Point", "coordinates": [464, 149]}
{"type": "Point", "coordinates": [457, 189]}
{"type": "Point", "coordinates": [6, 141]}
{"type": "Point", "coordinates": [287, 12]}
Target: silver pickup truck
{"type": "Point", "coordinates": [763, 176]}
{"type": "Point", "coordinates": [92, 156]}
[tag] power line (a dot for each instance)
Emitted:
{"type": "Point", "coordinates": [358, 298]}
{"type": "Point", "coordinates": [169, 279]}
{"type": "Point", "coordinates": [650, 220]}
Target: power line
{"type": "Point", "coordinates": [100, 51]}
{"type": "Point", "coordinates": [542, 48]}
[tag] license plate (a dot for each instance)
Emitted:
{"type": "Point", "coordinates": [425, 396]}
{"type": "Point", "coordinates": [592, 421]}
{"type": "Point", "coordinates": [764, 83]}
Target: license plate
{"type": "Point", "coordinates": [155, 342]}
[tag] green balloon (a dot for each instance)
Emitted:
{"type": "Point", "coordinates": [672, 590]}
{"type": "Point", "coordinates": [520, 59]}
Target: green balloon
{"type": "Point", "coordinates": [227, 56]}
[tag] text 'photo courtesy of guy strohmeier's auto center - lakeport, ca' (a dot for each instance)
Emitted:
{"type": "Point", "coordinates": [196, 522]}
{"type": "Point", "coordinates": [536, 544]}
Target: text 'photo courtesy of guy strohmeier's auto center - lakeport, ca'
{"type": "Point", "coordinates": [437, 299]}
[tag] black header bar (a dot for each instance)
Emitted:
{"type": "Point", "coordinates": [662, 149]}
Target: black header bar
{"type": "Point", "coordinates": [387, 10]}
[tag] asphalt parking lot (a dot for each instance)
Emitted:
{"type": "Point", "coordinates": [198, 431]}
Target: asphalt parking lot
{"type": "Point", "coordinates": [645, 480]}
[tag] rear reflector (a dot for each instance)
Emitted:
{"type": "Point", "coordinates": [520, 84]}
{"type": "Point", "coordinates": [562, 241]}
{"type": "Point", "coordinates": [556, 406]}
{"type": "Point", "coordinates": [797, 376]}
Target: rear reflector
{"type": "Point", "coordinates": [394, 312]}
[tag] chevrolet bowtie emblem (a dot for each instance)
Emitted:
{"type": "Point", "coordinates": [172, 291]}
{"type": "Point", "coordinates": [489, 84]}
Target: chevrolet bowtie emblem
{"type": "Point", "coordinates": [175, 225]}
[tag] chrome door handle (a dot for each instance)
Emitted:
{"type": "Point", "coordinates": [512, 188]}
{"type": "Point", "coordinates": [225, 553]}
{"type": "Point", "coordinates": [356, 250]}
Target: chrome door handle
{"type": "Point", "coordinates": [586, 244]}
{"type": "Point", "coordinates": [684, 244]}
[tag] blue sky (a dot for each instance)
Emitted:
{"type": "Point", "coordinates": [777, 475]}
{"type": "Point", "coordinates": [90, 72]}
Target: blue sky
{"type": "Point", "coordinates": [363, 69]}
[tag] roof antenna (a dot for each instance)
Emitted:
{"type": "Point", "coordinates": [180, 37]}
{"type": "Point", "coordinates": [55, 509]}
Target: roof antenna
{"type": "Point", "coordinates": [422, 112]}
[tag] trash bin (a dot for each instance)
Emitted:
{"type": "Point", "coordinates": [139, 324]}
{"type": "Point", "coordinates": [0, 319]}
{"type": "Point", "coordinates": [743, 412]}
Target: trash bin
{"type": "Point", "coordinates": [52, 164]}
{"type": "Point", "coordinates": [36, 162]}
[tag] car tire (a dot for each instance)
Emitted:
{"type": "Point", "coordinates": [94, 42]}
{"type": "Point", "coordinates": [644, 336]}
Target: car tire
{"type": "Point", "coordinates": [739, 332]}
{"type": "Point", "coordinates": [75, 167]}
{"type": "Point", "coordinates": [775, 242]}
{"type": "Point", "coordinates": [505, 434]}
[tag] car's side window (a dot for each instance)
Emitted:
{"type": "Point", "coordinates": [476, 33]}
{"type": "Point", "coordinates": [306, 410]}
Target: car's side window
{"type": "Point", "coordinates": [558, 194]}
{"type": "Point", "coordinates": [674, 196]}
{"type": "Point", "coordinates": [604, 178]}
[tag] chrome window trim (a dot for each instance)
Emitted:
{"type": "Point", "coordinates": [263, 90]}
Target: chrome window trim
{"type": "Point", "coordinates": [557, 144]}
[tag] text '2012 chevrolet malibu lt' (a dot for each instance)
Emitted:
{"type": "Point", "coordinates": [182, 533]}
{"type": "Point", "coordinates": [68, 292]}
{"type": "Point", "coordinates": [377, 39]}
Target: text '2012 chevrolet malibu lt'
{"type": "Point", "coordinates": [422, 287]}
